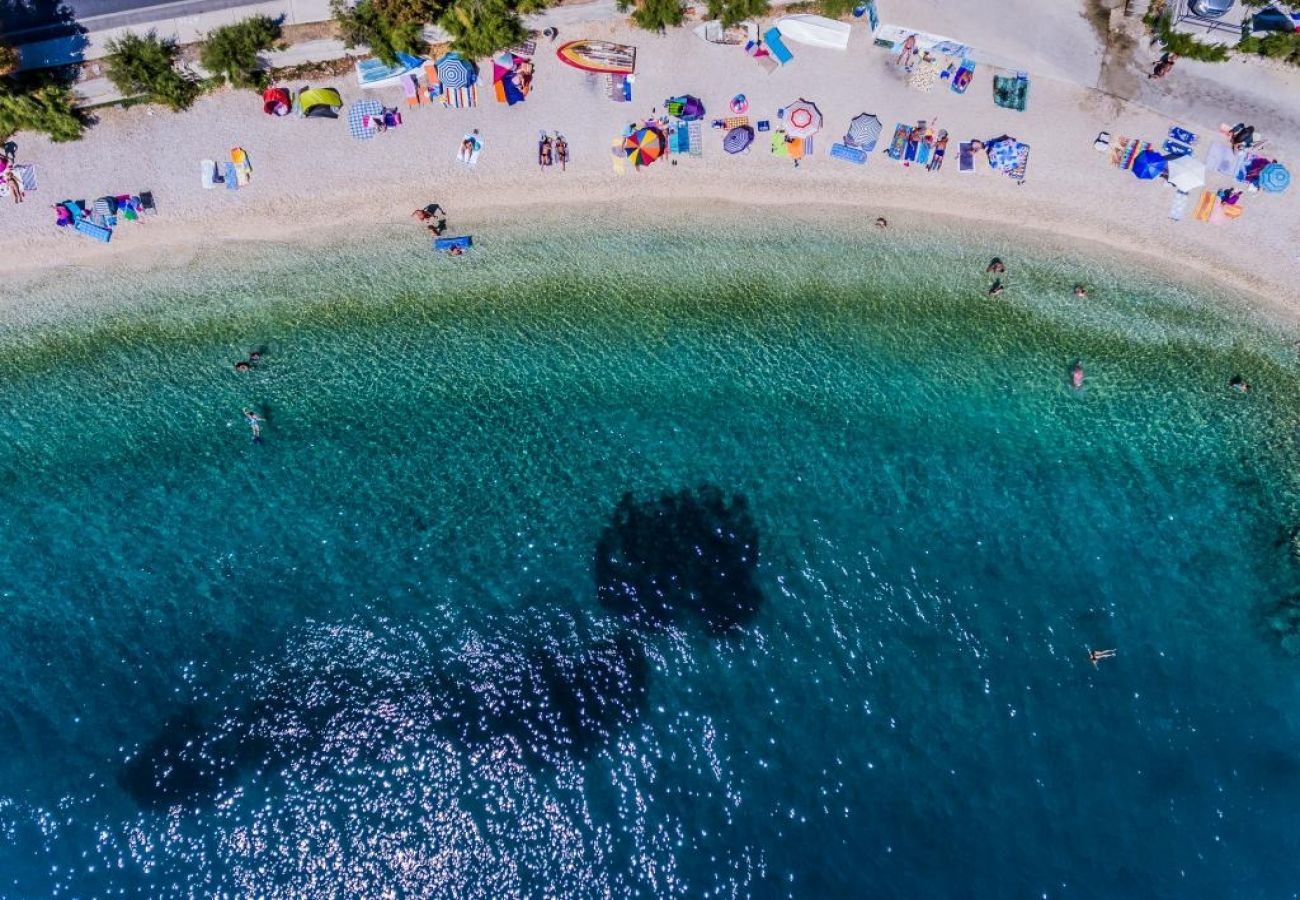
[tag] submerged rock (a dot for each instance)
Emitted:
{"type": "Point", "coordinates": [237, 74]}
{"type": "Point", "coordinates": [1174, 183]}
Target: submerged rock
{"type": "Point", "coordinates": [1283, 621]}
{"type": "Point", "coordinates": [689, 553]}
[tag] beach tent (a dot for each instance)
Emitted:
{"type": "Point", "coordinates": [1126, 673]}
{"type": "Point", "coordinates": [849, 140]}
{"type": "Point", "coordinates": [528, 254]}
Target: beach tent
{"type": "Point", "coordinates": [802, 119]}
{"type": "Point", "coordinates": [361, 116]}
{"type": "Point", "coordinates": [738, 139]}
{"type": "Point", "coordinates": [644, 146]}
{"type": "Point", "coordinates": [1149, 164]}
{"type": "Point", "coordinates": [1274, 178]}
{"type": "Point", "coordinates": [455, 72]}
{"type": "Point", "coordinates": [276, 101]}
{"type": "Point", "coordinates": [864, 131]}
{"type": "Point", "coordinates": [319, 103]}
{"type": "Point", "coordinates": [1186, 173]}
{"type": "Point", "coordinates": [685, 107]}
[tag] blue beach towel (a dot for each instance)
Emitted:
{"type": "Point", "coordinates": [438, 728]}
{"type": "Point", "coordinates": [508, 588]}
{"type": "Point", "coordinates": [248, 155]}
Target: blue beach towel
{"type": "Point", "coordinates": [896, 146]}
{"type": "Point", "coordinates": [848, 154]}
{"type": "Point", "coordinates": [232, 177]}
{"type": "Point", "coordinates": [464, 242]}
{"type": "Point", "coordinates": [776, 47]}
{"type": "Point", "coordinates": [91, 230]}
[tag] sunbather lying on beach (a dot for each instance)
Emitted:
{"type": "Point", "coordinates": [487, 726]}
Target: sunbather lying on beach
{"type": "Point", "coordinates": [940, 145]}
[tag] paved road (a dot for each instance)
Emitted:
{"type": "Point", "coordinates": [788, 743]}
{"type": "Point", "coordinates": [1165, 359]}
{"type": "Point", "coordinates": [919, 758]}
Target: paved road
{"type": "Point", "coordinates": [45, 20]}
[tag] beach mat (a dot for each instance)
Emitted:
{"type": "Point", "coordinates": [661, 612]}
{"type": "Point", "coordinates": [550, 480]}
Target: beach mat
{"type": "Point", "coordinates": [962, 77]}
{"type": "Point", "coordinates": [1011, 91]}
{"type": "Point", "coordinates": [848, 154]}
{"type": "Point", "coordinates": [1204, 207]}
{"type": "Point", "coordinates": [966, 156]}
{"type": "Point", "coordinates": [232, 177]}
{"type": "Point", "coordinates": [463, 241]}
{"type": "Point", "coordinates": [899, 142]}
{"type": "Point", "coordinates": [96, 232]}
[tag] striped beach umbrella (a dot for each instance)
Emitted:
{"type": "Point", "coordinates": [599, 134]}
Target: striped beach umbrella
{"type": "Point", "coordinates": [1274, 178]}
{"type": "Point", "coordinates": [644, 146]}
{"type": "Point", "coordinates": [737, 139]}
{"type": "Point", "coordinates": [864, 131]}
{"type": "Point", "coordinates": [357, 118]}
{"type": "Point", "coordinates": [802, 119]}
{"type": "Point", "coordinates": [455, 72]}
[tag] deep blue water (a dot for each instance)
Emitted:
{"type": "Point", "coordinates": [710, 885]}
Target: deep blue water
{"type": "Point", "coordinates": [411, 644]}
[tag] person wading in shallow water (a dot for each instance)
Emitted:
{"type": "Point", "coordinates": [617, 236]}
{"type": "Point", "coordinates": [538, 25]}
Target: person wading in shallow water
{"type": "Point", "coordinates": [254, 423]}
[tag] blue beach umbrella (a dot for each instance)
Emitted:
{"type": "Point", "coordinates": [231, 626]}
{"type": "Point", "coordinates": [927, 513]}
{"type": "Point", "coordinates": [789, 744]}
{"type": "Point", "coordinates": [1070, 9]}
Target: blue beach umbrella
{"type": "Point", "coordinates": [1149, 164]}
{"type": "Point", "coordinates": [455, 72]}
{"type": "Point", "coordinates": [1274, 178]}
{"type": "Point", "coordinates": [737, 139]}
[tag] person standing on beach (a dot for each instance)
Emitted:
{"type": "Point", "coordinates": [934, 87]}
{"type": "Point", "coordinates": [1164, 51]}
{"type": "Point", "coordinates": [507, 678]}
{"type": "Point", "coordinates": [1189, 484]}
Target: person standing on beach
{"type": "Point", "coordinates": [1163, 66]}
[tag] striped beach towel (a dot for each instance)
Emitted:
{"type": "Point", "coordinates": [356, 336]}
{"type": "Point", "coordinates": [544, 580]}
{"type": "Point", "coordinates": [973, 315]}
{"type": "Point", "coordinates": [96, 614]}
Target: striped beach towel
{"type": "Point", "coordinates": [26, 177]}
{"type": "Point", "coordinates": [735, 122]}
{"type": "Point", "coordinates": [1125, 150]}
{"type": "Point", "coordinates": [1021, 163]}
{"type": "Point", "coordinates": [460, 98]}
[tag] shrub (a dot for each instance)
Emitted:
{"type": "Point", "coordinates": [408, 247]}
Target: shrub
{"type": "Point", "coordinates": [9, 58]}
{"type": "Point", "coordinates": [38, 102]}
{"type": "Point", "coordinates": [363, 24]}
{"type": "Point", "coordinates": [1281, 46]}
{"type": "Point", "coordinates": [653, 15]}
{"type": "Point", "coordinates": [733, 12]}
{"type": "Point", "coordinates": [147, 65]}
{"type": "Point", "coordinates": [231, 52]}
{"type": "Point", "coordinates": [482, 27]}
{"type": "Point", "coordinates": [837, 9]}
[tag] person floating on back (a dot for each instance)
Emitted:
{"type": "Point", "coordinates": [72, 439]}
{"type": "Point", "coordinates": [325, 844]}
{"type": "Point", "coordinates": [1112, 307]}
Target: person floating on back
{"type": "Point", "coordinates": [255, 424]}
{"type": "Point", "coordinates": [1096, 656]}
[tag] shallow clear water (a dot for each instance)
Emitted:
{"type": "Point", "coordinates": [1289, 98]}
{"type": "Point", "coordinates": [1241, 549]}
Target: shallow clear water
{"type": "Point", "coordinates": [376, 634]}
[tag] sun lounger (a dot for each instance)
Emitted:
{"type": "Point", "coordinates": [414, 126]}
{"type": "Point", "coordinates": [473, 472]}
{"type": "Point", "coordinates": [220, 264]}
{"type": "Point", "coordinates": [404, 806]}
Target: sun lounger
{"type": "Point", "coordinates": [848, 154]}
{"type": "Point", "coordinates": [96, 232]}
{"type": "Point", "coordinates": [1204, 207]}
{"type": "Point", "coordinates": [777, 47]}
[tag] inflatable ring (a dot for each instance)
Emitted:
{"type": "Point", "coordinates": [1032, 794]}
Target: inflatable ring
{"type": "Point", "coordinates": [739, 104]}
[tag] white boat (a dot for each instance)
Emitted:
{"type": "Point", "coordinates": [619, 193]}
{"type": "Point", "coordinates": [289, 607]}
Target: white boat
{"type": "Point", "coordinates": [714, 33]}
{"type": "Point", "coordinates": [815, 31]}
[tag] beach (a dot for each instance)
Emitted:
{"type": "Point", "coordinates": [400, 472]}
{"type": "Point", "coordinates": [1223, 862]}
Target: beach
{"type": "Point", "coordinates": [313, 182]}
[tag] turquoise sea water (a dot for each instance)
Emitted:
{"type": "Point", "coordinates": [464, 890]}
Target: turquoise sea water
{"type": "Point", "coordinates": [367, 656]}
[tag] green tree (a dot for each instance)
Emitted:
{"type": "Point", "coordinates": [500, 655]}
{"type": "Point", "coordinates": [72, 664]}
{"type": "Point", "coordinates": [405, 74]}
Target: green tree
{"type": "Point", "coordinates": [733, 12]}
{"type": "Point", "coordinates": [363, 25]}
{"type": "Point", "coordinates": [231, 53]}
{"type": "Point", "coordinates": [654, 15]}
{"type": "Point", "coordinates": [9, 58]}
{"type": "Point", "coordinates": [836, 9]}
{"type": "Point", "coordinates": [410, 12]}
{"type": "Point", "coordinates": [38, 102]}
{"type": "Point", "coordinates": [147, 66]}
{"type": "Point", "coordinates": [482, 27]}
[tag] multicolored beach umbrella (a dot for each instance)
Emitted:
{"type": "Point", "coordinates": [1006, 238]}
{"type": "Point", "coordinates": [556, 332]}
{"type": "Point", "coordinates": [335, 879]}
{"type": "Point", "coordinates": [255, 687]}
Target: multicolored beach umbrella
{"type": "Point", "coordinates": [802, 119]}
{"type": "Point", "coordinates": [455, 72]}
{"type": "Point", "coordinates": [738, 138]}
{"type": "Point", "coordinates": [864, 131]}
{"type": "Point", "coordinates": [644, 146]}
{"type": "Point", "coordinates": [358, 113]}
{"type": "Point", "coordinates": [1274, 178]}
{"type": "Point", "coordinates": [1149, 164]}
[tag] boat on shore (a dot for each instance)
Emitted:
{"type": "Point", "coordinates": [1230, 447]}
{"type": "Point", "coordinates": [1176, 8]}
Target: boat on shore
{"type": "Point", "coordinates": [714, 33]}
{"type": "Point", "coordinates": [815, 31]}
{"type": "Point", "coordinates": [604, 57]}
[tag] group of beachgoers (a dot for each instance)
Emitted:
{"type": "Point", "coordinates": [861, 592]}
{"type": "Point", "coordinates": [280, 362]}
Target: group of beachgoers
{"type": "Point", "coordinates": [550, 152]}
{"type": "Point", "coordinates": [9, 170]}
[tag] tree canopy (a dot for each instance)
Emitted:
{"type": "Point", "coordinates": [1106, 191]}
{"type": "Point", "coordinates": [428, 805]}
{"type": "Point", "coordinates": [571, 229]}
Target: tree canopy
{"type": "Point", "coordinates": [652, 15]}
{"type": "Point", "coordinates": [232, 52]}
{"type": "Point", "coordinates": [147, 66]}
{"type": "Point", "coordinates": [482, 27]}
{"type": "Point", "coordinates": [38, 102]}
{"type": "Point", "coordinates": [733, 12]}
{"type": "Point", "coordinates": [365, 25]}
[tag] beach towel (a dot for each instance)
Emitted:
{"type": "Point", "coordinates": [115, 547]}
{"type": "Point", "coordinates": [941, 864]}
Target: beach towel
{"type": "Point", "coordinates": [696, 132]}
{"type": "Point", "coordinates": [848, 154]}
{"type": "Point", "coordinates": [470, 158]}
{"type": "Point", "coordinates": [208, 174]}
{"type": "Point", "coordinates": [232, 177]}
{"type": "Point", "coordinates": [1204, 207]}
{"type": "Point", "coordinates": [463, 241]}
{"type": "Point", "coordinates": [767, 63]}
{"type": "Point", "coordinates": [1232, 210]}
{"type": "Point", "coordinates": [361, 119]}
{"type": "Point", "coordinates": [243, 165]}
{"type": "Point", "coordinates": [962, 77]}
{"type": "Point", "coordinates": [91, 230]}
{"type": "Point", "coordinates": [909, 153]}
{"type": "Point", "coordinates": [735, 122]}
{"type": "Point", "coordinates": [1221, 160]}
{"type": "Point", "coordinates": [1178, 206]}
{"type": "Point", "coordinates": [432, 80]}
{"type": "Point", "coordinates": [411, 88]}
{"type": "Point", "coordinates": [779, 145]}
{"type": "Point", "coordinates": [923, 149]}
{"type": "Point", "coordinates": [1011, 91]}
{"type": "Point", "coordinates": [899, 142]}
{"type": "Point", "coordinates": [147, 203]}
{"type": "Point", "coordinates": [777, 47]}
{"type": "Point", "coordinates": [966, 156]}
{"type": "Point", "coordinates": [461, 98]}
{"type": "Point", "coordinates": [620, 157]}
{"type": "Point", "coordinates": [1021, 165]}
{"type": "Point", "coordinates": [936, 158]}
{"type": "Point", "coordinates": [26, 177]}
{"type": "Point", "coordinates": [1125, 151]}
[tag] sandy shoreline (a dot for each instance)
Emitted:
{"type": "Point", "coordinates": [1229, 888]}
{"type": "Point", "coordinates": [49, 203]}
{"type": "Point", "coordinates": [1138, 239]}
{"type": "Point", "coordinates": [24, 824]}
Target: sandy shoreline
{"type": "Point", "coordinates": [312, 182]}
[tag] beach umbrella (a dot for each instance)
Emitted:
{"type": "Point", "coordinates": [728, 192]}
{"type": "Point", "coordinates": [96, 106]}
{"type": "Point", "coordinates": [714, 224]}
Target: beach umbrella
{"type": "Point", "coordinates": [738, 138]}
{"type": "Point", "coordinates": [1274, 178]}
{"type": "Point", "coordinates": [1149, 164]}
{"type": "Point", "coordinates": [864, 131]}
{"type": "Point", "coordinates": [455, 72]}
{"type": "Point", "coordinates": [644, 146]}
{"type": "Point", "coordinates": [1186, 173]}
{"type": "Point", "coordinates": [802, 119]}
{"type": "Point", "coordinates": [357, 114]}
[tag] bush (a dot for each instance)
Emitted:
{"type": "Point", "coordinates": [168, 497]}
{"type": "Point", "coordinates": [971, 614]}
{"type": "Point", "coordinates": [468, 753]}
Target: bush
{"type": "Point", "coordinates": [232, 52]}
{"type": "Point", "coordinates": [653, 15]}
{"type": "Point", "coordinates": [38, 103]}
{"type": "Point", "coordinates": [837, 9]}
{"type": "Point", "coordinates": [363, 24]}
{"type": "Point", "coordinates": [1280, 46]}
{"type": "Point", "coordinates": [733, 12]}
{"type": "Point", "coordinates": [9, 59]}
{"type": "Point", "coordinates": [147, 65]}
{"type": "Point", "coordinates": [482, 27]}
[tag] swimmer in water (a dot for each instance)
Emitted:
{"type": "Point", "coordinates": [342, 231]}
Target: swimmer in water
{"type": "Point", "coordinates": [1076, 376]}
{"type": "Point", "coordinates": [882, 223]}
{"type": "Point", "coordinates": [254, 357]}
{"type": "Point", "coordinates": [996, 266]}
{"type": "Point", "coordinates": [242, 366]}
{"type": "Point", "coordinates": [996, 288]}
{"type": "Point", "coordinates": [1096, 656]}
{"type": "Point", "coordinates": [1080, 291]}
{"type": "Point", "coordinates": [1239, 384]}
{"type": "Point", "coordinates": [254, 423]}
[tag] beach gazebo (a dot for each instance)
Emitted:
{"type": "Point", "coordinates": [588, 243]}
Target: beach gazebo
{"type": "Point", "coordinates": [802, 119]}
{"type": "Point", "coordinates": [644, 146]}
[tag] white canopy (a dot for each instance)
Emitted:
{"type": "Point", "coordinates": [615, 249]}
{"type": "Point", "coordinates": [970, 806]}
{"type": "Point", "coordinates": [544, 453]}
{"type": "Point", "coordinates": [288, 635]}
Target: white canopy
{"type": "Point", "coordinates": [1186, 173]}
